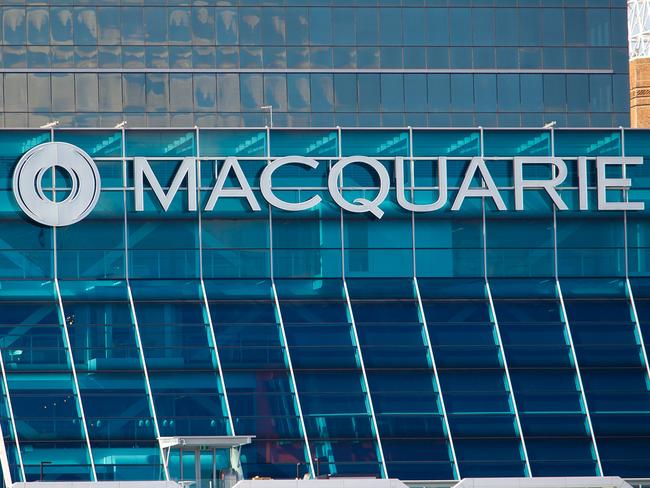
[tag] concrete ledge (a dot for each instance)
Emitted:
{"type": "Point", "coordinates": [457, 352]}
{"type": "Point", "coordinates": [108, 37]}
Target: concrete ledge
{"type": "Point", "coordinates": [328, 483]}
{"type": "Point", "coordinates": [570, 482]}
{"type": "Point", "coordinates": [97, 484]}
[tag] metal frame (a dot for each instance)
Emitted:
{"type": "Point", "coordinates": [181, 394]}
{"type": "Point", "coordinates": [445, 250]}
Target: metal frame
{"type": "Point", "coordinates": [278, 312]}
{"type": "Point", "coordinates": [567, 328]}
{"type": "Point", "coordinates": [423, 319]}
{"type": "Point", "coordinates": [67, 346]}
{"type": "Point", "coordinates": [215, 350]}
{"type": "Point", "coordinates": [495, 322]}
{"type": "Point", "coordinates": [269, 131]}
{"type": "Point", "coordinates": [357, 346]}
{"type": "Point", "coordinates": [6, 471]}
{"type": "Point", "coordinates": [292, 376]}
{"type": "Point", "coordinates": [204, 295]}
{"type": "Point", "coordinates": [365, 379]}
{"type": "Point", "coordinates": [138, 337]}
{"type": "Point", "coordinates": [84, 424]}
{"type": "Point", "coordinates": [437, 379]}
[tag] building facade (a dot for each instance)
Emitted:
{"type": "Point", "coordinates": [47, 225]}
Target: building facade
{"type": "Point", "coordinates": [390, 63]}
{"type": "Point", "coordinates": [398, 318]}
{"type": "Point", "coordinates": [475, 341]}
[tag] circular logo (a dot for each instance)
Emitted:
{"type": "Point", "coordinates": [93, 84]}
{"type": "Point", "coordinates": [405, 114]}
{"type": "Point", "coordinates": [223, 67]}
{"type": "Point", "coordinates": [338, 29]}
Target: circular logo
{"type": "Point", "coordinates": [28, 184]}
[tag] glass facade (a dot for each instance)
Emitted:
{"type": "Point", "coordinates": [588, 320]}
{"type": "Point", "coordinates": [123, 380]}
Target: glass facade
{"type": "Point", "coordinates": [432, 345]}
{"type": "Point", "coordinates": [321, 63]}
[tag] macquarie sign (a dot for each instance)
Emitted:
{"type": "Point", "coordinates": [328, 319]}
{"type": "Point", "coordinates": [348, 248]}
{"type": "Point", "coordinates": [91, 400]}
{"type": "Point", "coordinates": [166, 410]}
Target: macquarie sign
{"type": "Point", "coordinates": [86, 184]}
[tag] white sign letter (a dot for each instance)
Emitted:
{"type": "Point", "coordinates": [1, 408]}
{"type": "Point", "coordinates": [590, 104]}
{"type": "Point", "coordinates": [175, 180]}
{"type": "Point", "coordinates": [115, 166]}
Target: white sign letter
{"type": "Point", "coordinates": [362, 204]}
{"type": "Point", "coordinates": [266, 184]}
{"type": "Point", "coordinates": [490, 189]}
{"type": "Point", "coordinates": [244, 190]}
{"type": "Point", "coordinates": [548, 185]}
{"type": "Point", "coordinates": [621, 183]}
{"type": "Point", "coordinates": [442, 184]}
{"type": "Point", "coordinates": [142, 169]}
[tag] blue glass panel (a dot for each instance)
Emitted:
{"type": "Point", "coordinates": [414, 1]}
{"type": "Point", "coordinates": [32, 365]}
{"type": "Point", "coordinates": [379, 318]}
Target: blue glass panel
{"type": "Point", "coordinates": [472, 379]}
{"type": "Point", "coordinates": [180, 357]}
{"type": "Point", "coordinates": [400, 375]}
{"type": "Point", "coordinates": [98, 144]}
{"type": "Point", "coordinates": [41, 387]}
{"type": "Point", "coordinates": [614, 372]}
{"type": "Point", "coordinates": [446, 143]}
{"type": "Point", "coordinates": [243, 143]}
{"type": "Point", "coordinates": [314, 143]}
{"type": "Point", "coordinates": [9, 437]}
{"type": "Point", "coordinates": [171, 143]}
{"type": "Point", "coordinates": [569, 142]}
{"type": "Point", "coordinates": [25, 248]}
{"type": "Point", "coordinates": [517, 143]}
{"type": "Point", "coordinates": [544, 378]}
{"type": "Point", "coordinates": [333, 397]}
{"type": "Point", "coordinates": [111, 379]}
{"type": "Point", "coordinates": [260, 390]}
{"type": "Point", "coordinates": [374, 143]}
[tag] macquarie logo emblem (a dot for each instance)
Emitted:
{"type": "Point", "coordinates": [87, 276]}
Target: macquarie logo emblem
{"type": "Point", "coordinates": [85, 185]}
{"type": "Point", "coordinates": [28, 184]}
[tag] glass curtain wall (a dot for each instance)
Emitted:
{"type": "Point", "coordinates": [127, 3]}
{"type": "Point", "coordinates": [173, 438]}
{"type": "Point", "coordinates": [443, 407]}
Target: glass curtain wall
{"type": "Point", "coordinates": [362, 64]}
{"type": "Point", "coordinates": [516, 374]}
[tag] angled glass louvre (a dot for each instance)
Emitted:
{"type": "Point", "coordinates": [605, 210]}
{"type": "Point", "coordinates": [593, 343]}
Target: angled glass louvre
{"type": "Point", "coordinates": [641, 292]}
{"type": "Point", "coordinates": [180, 357]}
{"type": "Point", "coordinates": [543, 373]}
{"type": "Point", "coordinates": [472, 378]}
{"type": "Point", "coordinates": [401, 379]}
{"type": "Point", "coordinates": [261, 393]}
{"type": "Point", "coordinates": [329, 378]}
{"type": "Point", "coordinates": [111, 380]}
{"type": "Point", "coordinates": [9, 438]}
{"type": "Point", "coordinates": [614, 371]}
{"type": "Point", "coordinates": [42, 390]}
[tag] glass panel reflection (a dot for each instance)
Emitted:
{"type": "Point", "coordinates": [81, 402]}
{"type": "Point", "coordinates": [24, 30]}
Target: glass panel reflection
{"type": "Point", "coordinates": [261, 393]}
{"type": "Point", "coordinates": [111, 380]}
{"type": "Point", "coordinates": [179, 353]}
{"type": "Point", "coordinates": [329, 378]}
{"type": "Point", "coordinates": [401, 379]}
{"type": "Point", "coordinates": [39, 374]}
{"type": "Point", "coordinates": [613, 370]}
{"type": "Point", "coordinates": [472, 378]}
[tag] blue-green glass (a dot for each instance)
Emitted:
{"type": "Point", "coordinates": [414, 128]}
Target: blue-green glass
{"type": "Point", "coordinates": [570, 142]}
{"type": "Point", "coordinates": [614, 372]}
{"type": "Point", "coordinates": [97, 144]}
{"type": "Point", "coordinates": [45, 403]}
{"type": "Point", "coordinates": [473, 381]}
{"type": "Point", "coordinates": [544, 377]}
{"type": "Point", "coordinates": [168, 143]}
{"type": "Point", "coordinates": [180, 355]}
{"type": "Point", "coordinates": [111, 378]}
{"type": "Point", "coordinates": [232, 143]}
{"type": "Point", "coordinates": [315, 143]}
{"type": "Point", "coordinates": [261, 393]}
{"type": "Point", "coordinates": [374, 143]}
{"type": "Point", "coordinates": [433, 143]}
{"type": "Point", "coordinates": [329, 378]}
{"type": "Point", "coordinates": [517, 143]}
{"type": "Point", "coordinates": [401, 379]}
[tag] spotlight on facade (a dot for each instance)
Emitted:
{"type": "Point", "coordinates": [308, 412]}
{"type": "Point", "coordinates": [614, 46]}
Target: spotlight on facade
{"type": "Point", "coordinates": [268, 108]}
{"type": "Point", "coordinates": [50, 125]}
